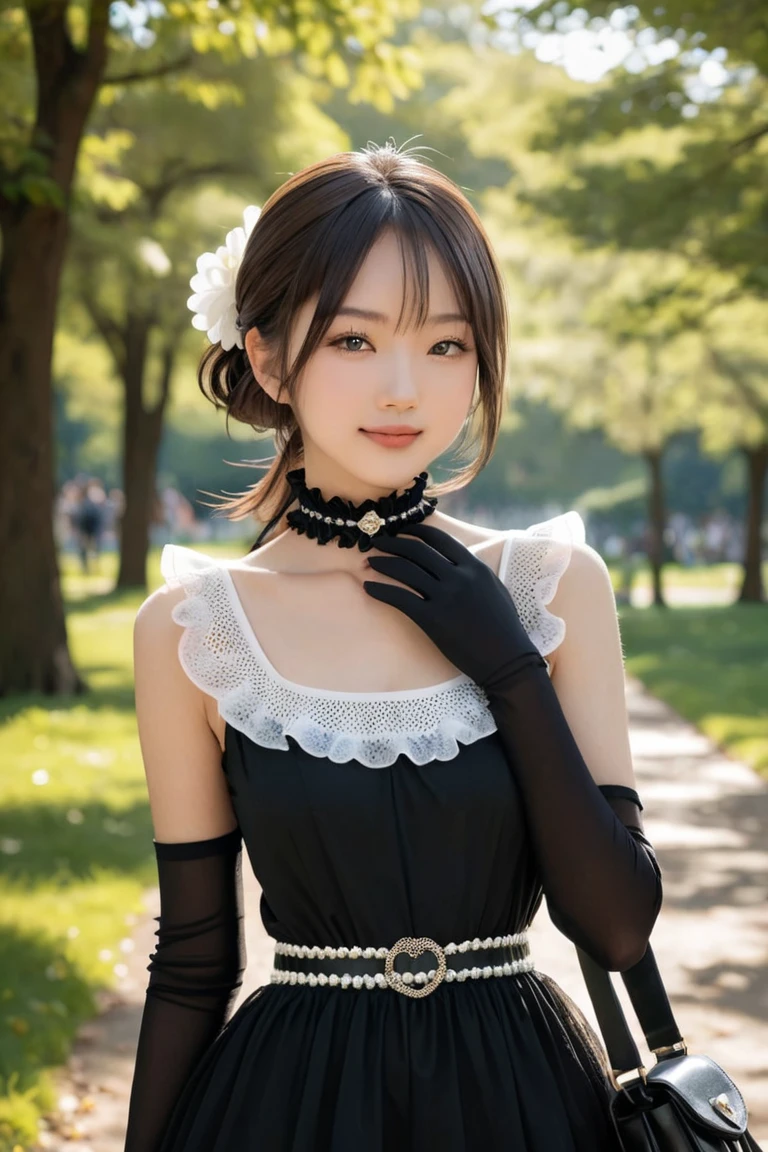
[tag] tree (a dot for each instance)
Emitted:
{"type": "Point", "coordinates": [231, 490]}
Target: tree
{"type": "Point", "coordinates": [614, 171]}
{"type": "Point", "coordinates": [606, 355]}
{"type": "Point", "coordinates": [736, 415]}
{"type": "Point", "coordinates": [137, 235]}
{"type": "Point", "coordinates": [62, 54]}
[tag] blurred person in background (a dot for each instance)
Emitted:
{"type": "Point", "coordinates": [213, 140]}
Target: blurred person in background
{"type": "Point", "coordinates": [89, 518]}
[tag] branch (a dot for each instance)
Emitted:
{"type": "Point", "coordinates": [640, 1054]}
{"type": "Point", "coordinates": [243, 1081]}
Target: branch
{"type": "Point", "coordinates": [139, 74]}
{"type": "Point", "coordinates": [184, 177]}
{"type": "Point", "coordinates": [749, 395]}
{"type": "Point", "coordinates": [109, 331]}
{"type": "Point", "coordinates": [747, 142]}
{"type": "Point", "coordinates": [167, 361]}
{"type": "Point", "coordinates": [98, 28]}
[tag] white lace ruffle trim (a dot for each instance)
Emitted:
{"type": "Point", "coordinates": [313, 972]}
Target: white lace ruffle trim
{"type": "Point", "coordinates": [221, 654]}
{"type": "Point", "coordinates": [532, 563]}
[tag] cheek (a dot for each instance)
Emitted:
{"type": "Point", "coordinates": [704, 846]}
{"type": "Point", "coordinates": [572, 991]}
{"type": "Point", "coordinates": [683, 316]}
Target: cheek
{"type": "Point", "coordinates": [449, 396]}
{"type": "Point", "coordinates": [326, 396]}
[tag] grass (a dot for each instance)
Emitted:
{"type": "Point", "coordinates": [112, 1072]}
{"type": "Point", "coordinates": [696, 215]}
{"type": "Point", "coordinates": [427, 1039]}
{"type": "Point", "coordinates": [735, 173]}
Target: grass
{"type": "Point", "coordinates": [711, 665]}
{"type": "Point", "coordinates": [715, 576]}
{"type": "Point", "coordinates": [75, 845]}
{"type": "Point", "coordinates": [75, 827]}
{"type": "Point", "coordinates": [74, 836]}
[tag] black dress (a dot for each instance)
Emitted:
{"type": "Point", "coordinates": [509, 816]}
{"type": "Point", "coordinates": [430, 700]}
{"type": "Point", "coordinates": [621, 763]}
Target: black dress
{"type": "Point", "coordinates": [368, 817]}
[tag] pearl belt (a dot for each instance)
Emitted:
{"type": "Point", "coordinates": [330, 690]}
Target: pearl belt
{"type": "Point", "coordinates": [359, 967]}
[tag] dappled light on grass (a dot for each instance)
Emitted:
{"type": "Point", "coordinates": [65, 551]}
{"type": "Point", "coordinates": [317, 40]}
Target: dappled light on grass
{"type": "Point", "coordinates": [75, 856]}
{"type": "Point", "coordinates": [711, 665]}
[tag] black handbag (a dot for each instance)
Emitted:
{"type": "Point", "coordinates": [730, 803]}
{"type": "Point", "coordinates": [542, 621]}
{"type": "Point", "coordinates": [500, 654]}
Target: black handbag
{"type": "Point", "coordinates": [685, 1102]}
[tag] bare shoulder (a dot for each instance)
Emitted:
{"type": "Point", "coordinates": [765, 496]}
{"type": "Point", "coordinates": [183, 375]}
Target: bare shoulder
{"type": "Point", "coordinates": [585, 601]}
{"type": "Point", "coordinates": [158, 672]}
{"type": "Point", "coordinates": [154, 625]}
{"type": "Point", "coordinates": [586, 585]}
{"type": "Point", "coordinates": [485, 543]}
{"type": "Point", "coordinates": [467, 534]}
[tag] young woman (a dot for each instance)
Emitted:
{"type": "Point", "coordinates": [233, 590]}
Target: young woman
{"type": "Point", "coordinates": [415, 725]}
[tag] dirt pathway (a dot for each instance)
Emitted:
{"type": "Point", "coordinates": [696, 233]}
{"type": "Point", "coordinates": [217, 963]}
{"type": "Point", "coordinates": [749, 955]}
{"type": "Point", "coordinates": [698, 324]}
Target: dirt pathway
{"type": "Point", "coordinates": [706, 814]}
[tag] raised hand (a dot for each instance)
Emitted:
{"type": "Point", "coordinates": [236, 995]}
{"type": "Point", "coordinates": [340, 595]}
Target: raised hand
{"type": "Point", "coordinates": [457, 600]}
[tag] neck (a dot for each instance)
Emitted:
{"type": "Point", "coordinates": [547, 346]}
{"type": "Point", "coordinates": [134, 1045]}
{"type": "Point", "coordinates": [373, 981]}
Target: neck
{"type": "Point", "coordinates": [344, 485]}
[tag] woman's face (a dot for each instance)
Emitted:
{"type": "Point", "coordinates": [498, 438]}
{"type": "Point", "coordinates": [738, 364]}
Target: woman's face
{"type": "Point", "coordinates": [364, 375]}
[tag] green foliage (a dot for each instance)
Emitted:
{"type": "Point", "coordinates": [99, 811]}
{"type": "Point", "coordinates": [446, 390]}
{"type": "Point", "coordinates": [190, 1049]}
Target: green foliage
{"type": "Point", "coordinates": [624, 283]}
{"type": "Point", "coordinates": [338, 43]}
{"type": "Point", "coordinates": [31, 182]}
{"type": "Point", "coordinates": [738, 26]}
{"type": "Point", "coordinates": [652, 158]}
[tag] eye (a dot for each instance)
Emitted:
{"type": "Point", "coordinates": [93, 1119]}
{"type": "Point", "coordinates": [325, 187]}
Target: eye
{"type": "Point", "coordinates": [462, 347]}
{"type": "Point", "coordinates": [340, 341]}
{"type": "Point", "coordinates": [348, 336]}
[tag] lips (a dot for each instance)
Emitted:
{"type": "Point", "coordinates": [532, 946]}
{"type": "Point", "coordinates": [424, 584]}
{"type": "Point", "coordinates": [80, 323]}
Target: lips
{"type": "Point", "coordinates": [390, 439]}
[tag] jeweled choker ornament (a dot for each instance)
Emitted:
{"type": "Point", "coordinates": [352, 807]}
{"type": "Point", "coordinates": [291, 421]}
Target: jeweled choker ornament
{"type": "Point", "coordinates": [356, 524]}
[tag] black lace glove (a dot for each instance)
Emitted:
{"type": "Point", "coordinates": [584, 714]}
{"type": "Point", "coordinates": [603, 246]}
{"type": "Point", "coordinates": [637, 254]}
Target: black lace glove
{"type": "Point", "coordinates": [603, 886]}
{"type": "Point", "coordinates": [195, 972]}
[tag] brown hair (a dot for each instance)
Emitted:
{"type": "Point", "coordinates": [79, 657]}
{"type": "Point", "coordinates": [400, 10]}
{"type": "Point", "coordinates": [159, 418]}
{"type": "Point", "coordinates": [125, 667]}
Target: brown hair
{"type": "Point", "coordinates": [312, 236]}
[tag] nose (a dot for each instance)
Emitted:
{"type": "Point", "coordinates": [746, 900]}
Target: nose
{"type": "Point", "coordinates": [399, 388]}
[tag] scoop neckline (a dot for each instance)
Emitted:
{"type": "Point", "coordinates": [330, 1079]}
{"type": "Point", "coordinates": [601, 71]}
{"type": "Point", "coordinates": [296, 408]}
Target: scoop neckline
{"type": "Point", "coordinates": [337, 693]}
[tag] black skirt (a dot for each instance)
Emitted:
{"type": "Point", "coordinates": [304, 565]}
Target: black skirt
{"type": "Point", "coordinates": [348, 854]}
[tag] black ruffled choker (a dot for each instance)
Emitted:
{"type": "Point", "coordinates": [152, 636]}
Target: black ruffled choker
{"type": "Point", "coordinates": [356, 524]}
{"type": "Point", "coordinates": [352, 524]}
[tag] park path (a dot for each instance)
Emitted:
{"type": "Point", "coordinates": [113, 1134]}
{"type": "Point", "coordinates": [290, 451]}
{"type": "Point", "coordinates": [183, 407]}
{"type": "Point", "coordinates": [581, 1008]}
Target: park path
{"type": "Point", "coordinates": [707, 816]}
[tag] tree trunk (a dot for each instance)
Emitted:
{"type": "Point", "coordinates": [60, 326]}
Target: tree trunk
{"type": "Point", "coordinates": [757, 468]}
{"type": "Point", "coordinates": [142, 432]}
{"type": "Point", "coordinates": [34, 655]}
{"type": "Point", "coordinates": [657, 522]}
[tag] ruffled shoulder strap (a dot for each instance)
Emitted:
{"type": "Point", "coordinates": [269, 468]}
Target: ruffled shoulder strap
{"type": "Point", "coordinates": [532, 562]}
{"type": "Point", "coordinates": [178, 565]}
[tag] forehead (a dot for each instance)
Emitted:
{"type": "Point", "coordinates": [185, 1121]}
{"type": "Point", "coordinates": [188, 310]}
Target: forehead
{"type": "Point", "coordinates": [404, 280]}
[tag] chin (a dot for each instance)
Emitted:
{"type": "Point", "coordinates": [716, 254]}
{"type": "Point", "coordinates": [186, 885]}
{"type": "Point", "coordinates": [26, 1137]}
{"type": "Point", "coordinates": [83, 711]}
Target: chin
{"type": "Point", "coordinates": [389, 477]}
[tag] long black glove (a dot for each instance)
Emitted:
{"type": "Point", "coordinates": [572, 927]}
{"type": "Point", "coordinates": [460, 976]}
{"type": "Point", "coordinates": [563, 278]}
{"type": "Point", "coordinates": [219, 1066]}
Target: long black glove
{"type": "Point", "coordinates": [602, 884]}
{"type": "Point", "coordinates": [195, 972]}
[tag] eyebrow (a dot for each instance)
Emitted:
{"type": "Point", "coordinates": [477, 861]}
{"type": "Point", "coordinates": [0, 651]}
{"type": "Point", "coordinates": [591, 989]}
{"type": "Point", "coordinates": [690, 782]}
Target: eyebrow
{"type": "Point", "coordinates": [365, 314]}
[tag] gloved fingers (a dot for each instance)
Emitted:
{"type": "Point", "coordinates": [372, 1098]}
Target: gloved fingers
{"type": "Point", "coordinates": [430, 558]}
{"type": "Point", "coordinates": [447, 545]}
{"type": "Point", "coordinates": [407, 602]}
{"type": "Point", "coordinates": [399, 568]}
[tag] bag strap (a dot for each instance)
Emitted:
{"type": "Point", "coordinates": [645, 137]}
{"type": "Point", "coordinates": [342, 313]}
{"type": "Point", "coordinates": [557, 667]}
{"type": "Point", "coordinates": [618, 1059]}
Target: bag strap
{"type": "Point", "coordinates": [623, 1053]}
{"type": "Point", "coordinates": [650, 1002]}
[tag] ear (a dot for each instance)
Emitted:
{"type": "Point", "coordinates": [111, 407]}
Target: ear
{"type": "Point", "coordinates": [260, 356]}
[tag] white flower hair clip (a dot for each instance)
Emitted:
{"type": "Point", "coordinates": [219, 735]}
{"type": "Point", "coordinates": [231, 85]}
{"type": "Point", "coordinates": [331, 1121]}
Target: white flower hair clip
{"type": "Point", "coordinates": [214, 286]}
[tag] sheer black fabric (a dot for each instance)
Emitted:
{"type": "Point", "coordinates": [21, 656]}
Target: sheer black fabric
{"type": "Point", "coordinates": [600, 875]}
{"type": "Point", "coordinates": [195, 972]}
{"type": "Point", "coordinates": [602, 887]}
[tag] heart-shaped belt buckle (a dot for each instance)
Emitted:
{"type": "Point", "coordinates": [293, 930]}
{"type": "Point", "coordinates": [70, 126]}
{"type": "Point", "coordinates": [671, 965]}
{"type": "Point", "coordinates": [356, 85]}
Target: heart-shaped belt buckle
{"type": "Point", "coordinates": [414, 946]}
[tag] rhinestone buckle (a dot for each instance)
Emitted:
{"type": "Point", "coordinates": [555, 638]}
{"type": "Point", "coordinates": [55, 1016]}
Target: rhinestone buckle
{"type": "Point", "coordinates": [370, 523]}
{"type": "Point", "coordinates": [414, 946]}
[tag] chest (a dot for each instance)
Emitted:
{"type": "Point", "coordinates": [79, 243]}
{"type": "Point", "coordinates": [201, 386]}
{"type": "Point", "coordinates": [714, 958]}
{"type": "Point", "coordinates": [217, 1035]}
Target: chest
{"type": "Point", "coordinates": [326, 632]}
